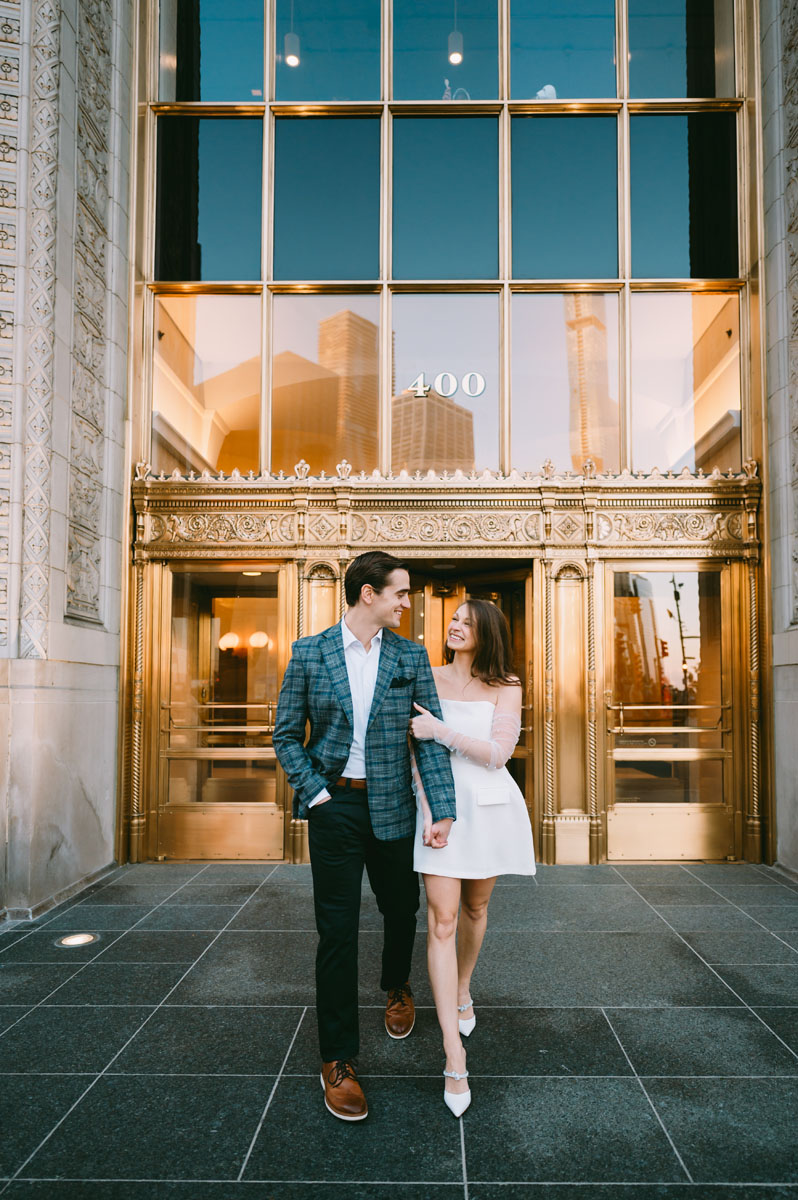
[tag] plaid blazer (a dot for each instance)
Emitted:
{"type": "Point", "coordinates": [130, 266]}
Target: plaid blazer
{"type": "Point", "coordinates": [316, 691]}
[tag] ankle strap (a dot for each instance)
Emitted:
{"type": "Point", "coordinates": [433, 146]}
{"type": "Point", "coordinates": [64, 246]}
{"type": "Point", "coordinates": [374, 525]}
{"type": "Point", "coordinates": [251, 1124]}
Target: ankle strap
{"type": "Point", "coordinates": [454, 1075]}
{"type": "Point", "coordinates": [463, 1007]}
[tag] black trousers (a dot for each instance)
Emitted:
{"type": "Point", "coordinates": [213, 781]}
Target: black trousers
{"type": "Point", "coordinates": [341, 843]}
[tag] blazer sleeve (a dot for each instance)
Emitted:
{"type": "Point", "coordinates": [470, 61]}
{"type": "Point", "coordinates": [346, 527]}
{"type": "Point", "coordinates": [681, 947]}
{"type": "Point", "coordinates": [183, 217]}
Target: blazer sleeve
{"type": "Point", "coordinates": [435, 769]}
{"type": "Point", "coordinates": [288, 738]}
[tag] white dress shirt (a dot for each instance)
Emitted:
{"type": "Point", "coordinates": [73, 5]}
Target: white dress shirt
{"type": "Point", "coordinates": [361, 667]}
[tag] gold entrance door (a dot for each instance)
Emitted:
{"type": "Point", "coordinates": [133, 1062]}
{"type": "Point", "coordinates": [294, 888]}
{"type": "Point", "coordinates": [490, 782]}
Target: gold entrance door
{"type": "Point", "coordinates": [217, 771]}
{"type": "Point", "coordinates": [436, 591]}
{"type": "Point", "coordinates": [670, 714]}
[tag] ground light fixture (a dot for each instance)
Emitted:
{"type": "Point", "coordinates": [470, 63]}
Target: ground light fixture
{"type": "Point", "coordinates": [70, 940]}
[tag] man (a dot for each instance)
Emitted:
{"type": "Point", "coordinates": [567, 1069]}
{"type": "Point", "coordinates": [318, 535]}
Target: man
{"type": "Point", "coordinates": [356, 684]}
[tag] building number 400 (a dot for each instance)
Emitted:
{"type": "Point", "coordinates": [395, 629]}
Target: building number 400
{"type": "Point", "coordinates": [446, 384]}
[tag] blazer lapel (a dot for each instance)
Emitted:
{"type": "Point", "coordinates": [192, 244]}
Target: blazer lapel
{"type": "Point", "coordinates": [332, 648]}
{"type": "Point", "coordinates": [389, 655]}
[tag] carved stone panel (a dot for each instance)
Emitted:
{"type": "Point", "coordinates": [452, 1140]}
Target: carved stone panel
{"type": "Point", "coordinates": [40, 304]}
{"type": "Point", "coordinates": [9, 140]}
{"type": "Point", "coordinates": [86, 480]}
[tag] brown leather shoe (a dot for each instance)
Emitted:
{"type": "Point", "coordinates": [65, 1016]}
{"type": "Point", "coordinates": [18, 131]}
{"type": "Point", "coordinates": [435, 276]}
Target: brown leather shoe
{"type": "Point", "coordinates": [343, 1095]}
{"type": "Point", "coordinates": [400, 1011]}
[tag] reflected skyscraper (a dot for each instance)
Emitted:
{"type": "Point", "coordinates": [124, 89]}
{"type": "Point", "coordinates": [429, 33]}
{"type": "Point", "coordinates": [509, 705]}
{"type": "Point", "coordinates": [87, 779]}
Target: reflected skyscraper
{"type": "Point", "coordinates": [593, 413]}
{"type": "Point", "coordinates": [349, 346]}
{"type": "Point", "coordinates": [328, 410]}
{"type": "Point", "coordinates": [431, 432]}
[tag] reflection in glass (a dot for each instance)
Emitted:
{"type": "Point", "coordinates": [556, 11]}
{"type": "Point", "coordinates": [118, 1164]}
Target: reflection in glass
{"type": "Point", "coordinates": [668, 679]}
{"type": "Point", "coordinates": [684, 196]}
{"type": "Point", "coordinates": [683, 48]}
{"type": "Point", "coordinates": [327, 198]}
{"type": "Point", "coordinates": [565, 380]}
{"type": "Point", "coordinates": [558, 51]}
{"type": "Point", "coordinates": [565, 197]}
{"type": "Point", "coordinates": [445, 407]}
{"type": "Point", "coordinates": [211, 50]}
{"type": "Point", "coordinates": [685, 381]}
{"type": "Point", "coordinates": [445, 50]}
{"type": "Point", "coordinates": [223, 687]}
{"type": "Point", "coordinates": [446, 198]}
{"type": "Point", "coordinates": [209, 198]}
{"type": "Point", "coordinates": [337, 43]}
{"type": "Point", "coordinates": [698, 782]}
{"type": "Point", "coordinates": [325, 372]}
{"type": "Point", "coordinates": [206, 383]}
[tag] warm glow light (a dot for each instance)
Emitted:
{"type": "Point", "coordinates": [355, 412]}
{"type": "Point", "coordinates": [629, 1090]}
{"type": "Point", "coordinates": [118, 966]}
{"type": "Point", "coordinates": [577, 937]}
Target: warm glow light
{"type": "Point", "coordinates": [229, 641]}
{"type": "Point", "coordinates": [77, 939]}
{"type": "Point", "coordinates": [455, 47]}
{"type": "Point", "coordinates": [254, 574]}
{"type": "Point", "coordinates": [259, 639]}
{"type": "Point", "coordinates": [291, 50]}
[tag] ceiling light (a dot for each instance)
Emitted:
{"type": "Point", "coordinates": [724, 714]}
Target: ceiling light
{"type": "Point", "coordinates": [455, 47]}
{"type": "Point", "coordinates": [229, 641]}
{"type": "Point", "coordinates": [291, 50]}
{"type": "Point", "coordinates": [259, 639]}
{"type": "Point", "coordinates": [253, 574]}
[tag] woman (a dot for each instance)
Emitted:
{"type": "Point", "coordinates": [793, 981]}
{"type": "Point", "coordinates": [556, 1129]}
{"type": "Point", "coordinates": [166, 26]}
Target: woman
{"type": "Point", "coordinates": [481, 704]}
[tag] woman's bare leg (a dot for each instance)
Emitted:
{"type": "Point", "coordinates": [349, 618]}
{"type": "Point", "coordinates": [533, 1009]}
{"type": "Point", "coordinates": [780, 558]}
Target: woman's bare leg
{"type": "Point", "coordinates": [443, 901]}
{"type": "Point", "coordinates": [470, 932]}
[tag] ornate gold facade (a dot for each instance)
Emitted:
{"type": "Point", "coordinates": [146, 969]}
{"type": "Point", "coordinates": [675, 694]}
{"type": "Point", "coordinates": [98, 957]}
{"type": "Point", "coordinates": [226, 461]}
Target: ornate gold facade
{"type": "Point", "coordinates": [559, 539]}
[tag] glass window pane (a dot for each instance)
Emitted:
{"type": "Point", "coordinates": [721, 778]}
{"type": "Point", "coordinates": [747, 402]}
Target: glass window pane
{"type": "Point", "coordinates": [682, 48]}
{"type": "Point", "coordinates": [558, 162]}
{"type": "Point", "coordinates": [325, 382]}
{"type": "Point", "coordinates": [685, 382]}
{"type": "Point", "coordinates": [327, 198]}
{"type": "Point", "coordinates": [224, 653]}
{"type": "Point", "coordinates": [445, 407]}
{"type": "Point", "coordinates": [445, 50]}
{"type": "Point", "coordinates": [211, 50]}
{"type": "Point", "coordinates": [684, 196]}
{"type": "Point", "coordinates": [668, 655]}
{"type": "Point", "coordinates": [328, 50]}
{"type": "Point", "coordinates": [562, 50]}
{"type": "Point", "coordinates": [209, 198]}
{"type": "Point", "coordinates": [565, 381]}
{"type": "Point", "coordinates": [206, 383]}
{"type": "Point", "coordinates": [446, 198]}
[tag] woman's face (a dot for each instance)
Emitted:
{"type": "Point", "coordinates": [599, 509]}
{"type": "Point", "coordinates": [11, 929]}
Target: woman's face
{"type": "Point", "coordinates": [460, 634]}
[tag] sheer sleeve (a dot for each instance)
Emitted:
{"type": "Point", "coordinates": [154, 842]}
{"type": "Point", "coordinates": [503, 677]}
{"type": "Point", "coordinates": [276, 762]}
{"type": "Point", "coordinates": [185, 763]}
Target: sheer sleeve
{"type": "Point", "coordinates": [493, 754]}
{"type": "Point", "coordinates": [420, 794]}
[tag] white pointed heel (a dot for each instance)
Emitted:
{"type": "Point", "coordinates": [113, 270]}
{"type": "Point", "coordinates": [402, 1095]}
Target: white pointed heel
{"type": "Point", "coordinates": [467, 1026]}
{"type": "Point", "coordinates": [456, 1102]}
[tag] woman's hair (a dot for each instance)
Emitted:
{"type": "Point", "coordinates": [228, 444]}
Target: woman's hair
{"type": "Point", "coordinates": [493, 657]}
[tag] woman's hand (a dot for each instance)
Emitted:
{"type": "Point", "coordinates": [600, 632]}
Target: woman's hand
{"type": "Point", "coordinates": [423, 727]}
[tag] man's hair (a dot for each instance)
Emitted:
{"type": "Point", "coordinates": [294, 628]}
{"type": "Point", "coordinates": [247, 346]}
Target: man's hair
{"type": "Point", "coordinates": [374, 568]}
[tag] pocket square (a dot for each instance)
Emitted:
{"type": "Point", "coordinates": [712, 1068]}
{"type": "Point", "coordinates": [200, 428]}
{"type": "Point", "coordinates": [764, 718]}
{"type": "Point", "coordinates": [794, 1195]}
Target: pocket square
{"type": "Point", "coordinates": [399, 682]}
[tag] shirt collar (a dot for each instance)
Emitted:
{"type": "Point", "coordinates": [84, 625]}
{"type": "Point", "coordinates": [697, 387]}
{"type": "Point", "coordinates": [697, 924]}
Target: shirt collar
{"type": "Point", "coordinates": [350, 639]}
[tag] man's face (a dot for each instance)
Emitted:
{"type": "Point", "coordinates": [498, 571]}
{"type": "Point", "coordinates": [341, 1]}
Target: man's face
{"type": "Point", "coordinates": [388, 605]}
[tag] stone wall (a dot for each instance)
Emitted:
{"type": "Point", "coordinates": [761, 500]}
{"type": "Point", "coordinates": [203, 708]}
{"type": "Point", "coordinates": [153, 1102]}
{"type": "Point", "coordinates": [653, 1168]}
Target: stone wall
{"type": "Point", "coordinates": [62, 414]}
{"type": "Point", "coordinates": [779, 33]}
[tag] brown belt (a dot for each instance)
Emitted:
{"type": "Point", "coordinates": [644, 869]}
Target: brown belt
{"type": "Point", "coordinates": [344, 782]}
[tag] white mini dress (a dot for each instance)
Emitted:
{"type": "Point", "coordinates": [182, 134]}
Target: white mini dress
{"type": "Point", "coordinates": [492, 834]}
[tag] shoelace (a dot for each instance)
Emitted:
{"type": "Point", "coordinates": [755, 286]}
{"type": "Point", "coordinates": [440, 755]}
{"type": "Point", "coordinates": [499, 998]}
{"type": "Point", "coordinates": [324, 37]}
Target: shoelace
{"type": "Point", "coordinates": [341, 1071]}
{"type": "Point", "coordinates": [399, 995]}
